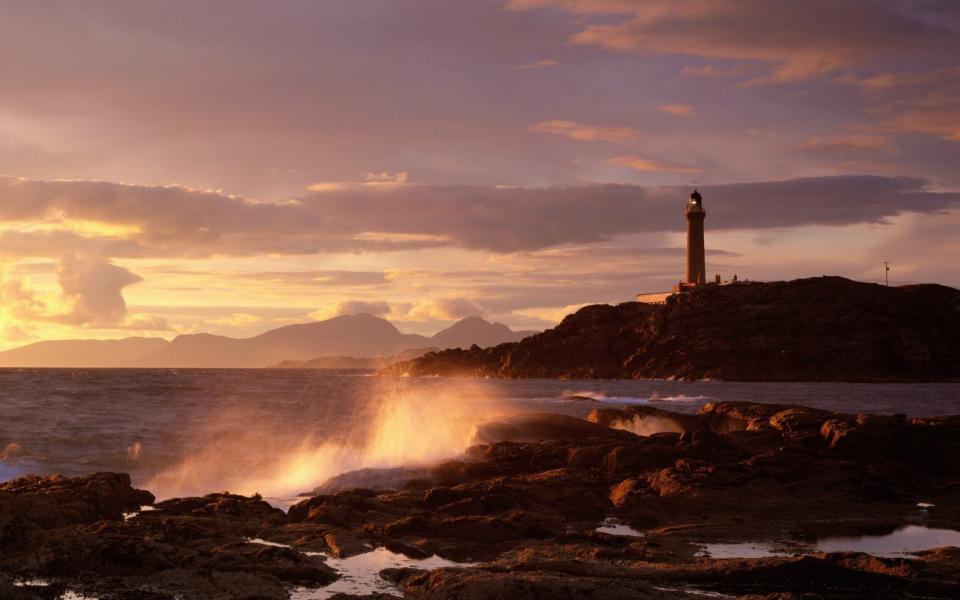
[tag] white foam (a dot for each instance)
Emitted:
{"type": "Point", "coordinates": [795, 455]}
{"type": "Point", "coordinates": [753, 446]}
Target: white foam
{"type": "Point", "coordinates": [360, 574]}
{"type": "Point", "coordinates": [32, 583]}
{"type": "Point", "coordinates": [694, 592]}
{"type": "Point", "coordinates": [264, 542]}
{"type": "Point", "coordinates": [647, 425]}
{"type": "Point", "coordinates": [145, 508]}
{"type": "Point", "coordinates": [71, 595]}
{"type": "Point", "coordinates": [643, 400]}
{"type": "Point", "coordinates": [614, 526]}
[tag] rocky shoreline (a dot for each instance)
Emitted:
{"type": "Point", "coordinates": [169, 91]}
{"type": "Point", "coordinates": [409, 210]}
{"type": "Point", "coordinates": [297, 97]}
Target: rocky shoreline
{"type": "Point", "coordinates": [816, 329]}
{"type": "Point", "coordinates": [523, 511]}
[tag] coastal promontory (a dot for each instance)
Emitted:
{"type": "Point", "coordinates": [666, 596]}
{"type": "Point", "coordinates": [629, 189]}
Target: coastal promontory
{"type": "Point", "coordinates": [815, 329]}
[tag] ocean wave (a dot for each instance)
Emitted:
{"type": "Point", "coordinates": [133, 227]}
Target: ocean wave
{"type": "Point", "coordinates": [651, 399]}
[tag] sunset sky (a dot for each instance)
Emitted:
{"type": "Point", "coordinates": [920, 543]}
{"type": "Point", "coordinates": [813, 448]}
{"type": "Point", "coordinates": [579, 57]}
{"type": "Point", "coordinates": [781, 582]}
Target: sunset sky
{"type": "Point", "coordinates": [232, 166]}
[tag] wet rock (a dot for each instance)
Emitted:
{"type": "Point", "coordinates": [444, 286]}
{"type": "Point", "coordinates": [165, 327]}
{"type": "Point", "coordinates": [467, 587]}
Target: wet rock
{"type": "Point", "coordinates": [645, 420]}
{"type": "Point", "coordinates": [49, 502]}
{"type": "Point", "coordinates": [196, 584]}
{"type": "Point", "coordinates": [345, 509]}
{"type": "Point", "coordinates": [473, 584]}
{"type": "Point", "coordinates": [377, 479]}
{"type": "Point", "coordinates": [342, 544]}
{"type": "Point", "coordinates": [528, 510]}
{"type": "Point", "coordinates": [224, 505]}
{"type": "Point", "coordinates": [375, 596]}
{"type": "Point", "coordinates": [621, 493]}
{"type": "Point", "coordinates": [725, 417]}
{"type": "Point", "coordinates": [527, 427]}
{"type": "Point", "coordinates": [799, 422]}
{"type": "Point", "coordinates": [406, 549]}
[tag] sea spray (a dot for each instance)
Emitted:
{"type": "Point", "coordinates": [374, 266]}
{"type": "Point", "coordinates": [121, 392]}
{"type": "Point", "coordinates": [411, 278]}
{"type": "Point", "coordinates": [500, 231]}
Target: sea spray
{"type": "Point", "coordinates": [399, 424]}
{"type": "Point", "coordinates": [647, 425]}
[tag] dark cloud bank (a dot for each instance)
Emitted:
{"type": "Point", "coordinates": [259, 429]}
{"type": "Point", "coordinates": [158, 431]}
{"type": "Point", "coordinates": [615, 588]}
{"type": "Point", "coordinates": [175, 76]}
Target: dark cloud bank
{"type": "Point", "coordinates": [176, 221]}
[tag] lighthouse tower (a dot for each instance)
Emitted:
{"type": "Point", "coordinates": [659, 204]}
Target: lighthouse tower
{"type": "Point", "coordinates": [696, 262]}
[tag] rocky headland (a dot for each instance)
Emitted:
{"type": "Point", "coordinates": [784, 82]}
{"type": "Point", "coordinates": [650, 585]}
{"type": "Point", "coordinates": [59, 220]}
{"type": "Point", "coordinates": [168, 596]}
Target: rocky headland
{"type": "Point", "coordinates": [817, 329]}
{"type": "Point", "coordinates": [522, 512]}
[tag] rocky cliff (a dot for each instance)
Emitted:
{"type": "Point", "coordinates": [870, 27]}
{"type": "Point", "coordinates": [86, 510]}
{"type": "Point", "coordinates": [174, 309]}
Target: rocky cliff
{"type": "Point", "coordinates": [817, 329]}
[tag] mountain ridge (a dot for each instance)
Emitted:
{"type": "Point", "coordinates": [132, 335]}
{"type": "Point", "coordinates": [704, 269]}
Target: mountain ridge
{"type": "Point", "coordinates": [362, 336]}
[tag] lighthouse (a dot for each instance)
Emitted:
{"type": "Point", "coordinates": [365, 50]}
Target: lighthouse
{"type": "Point", "coordinates": [696, 261]}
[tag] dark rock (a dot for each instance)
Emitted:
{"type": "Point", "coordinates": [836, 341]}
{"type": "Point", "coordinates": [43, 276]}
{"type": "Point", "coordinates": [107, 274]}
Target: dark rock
{"type": "Point", "coordinates": [343, 544]}
{"type": "Point", "coordinates": [49, 502]}
{"type": "Point", "coordinates": [528, 427]}
{"type": "Point", "coordinates": [817, 329]}
{"type": "Point", "coordinates": [224, 505]}
{"type": "Point", "coordinates": [645, 420]}
{"type": "Point", "coordinates": [526, 512]}
{"type": "Point", "coordinates": [472, 584]}
{"type": "Point", "coordinates": [378, 479]}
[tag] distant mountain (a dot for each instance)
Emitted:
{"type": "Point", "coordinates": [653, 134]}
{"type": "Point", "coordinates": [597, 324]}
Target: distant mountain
{"type": "Point", "coordinates": [81, 353]}
{"type": "Point", "coordinates": [361, 336]}
{"type": "Point", "coordinates": [817, 329]}
{"type": "Point", "coordinates": [353, 362]}
{"type": "Point", "coordinates": [476, 330]}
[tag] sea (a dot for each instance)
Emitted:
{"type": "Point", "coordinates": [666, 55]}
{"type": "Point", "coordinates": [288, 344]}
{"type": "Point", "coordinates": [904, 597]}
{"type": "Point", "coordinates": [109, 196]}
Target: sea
{"type": "Point", "coordinates": [282, 433]}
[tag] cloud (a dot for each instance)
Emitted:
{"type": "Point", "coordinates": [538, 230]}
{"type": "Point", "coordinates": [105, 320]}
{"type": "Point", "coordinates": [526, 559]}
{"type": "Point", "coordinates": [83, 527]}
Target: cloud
{"type": "Point", "coordinates": [797, 40]}
{"type": "Point", "coordinates": [550, 315]}
{"type": "Point", "coordinates": [93, 288]}
{"type": "Point", "coordinates": [56, 242]}
{"type": "Point", "coordinates": [381, 179]}
{"type": "Point", "coordinates": [850, 143]}
{"type": "Point", "coordinates": [237, 319]}
{"type": "Point", "coordinates": [446, 309]}
{"type": "Point", "coordinates": [319, 278]}
{"type": "Point", "coordinates": [540, 64]}
{"type": "Point", "coordinates": [385, 177]}
{"type": "Point", "coordinates": [935, 112]}
{"type": "Point", "coordinates": [883, 82]}
{"type": "Point", "coordinates": [712, 72]}
{"type": "Point", "coordinates": [14, 333]}
{"type": "Point", "coordinates": [19, 301]}
{"type": "Point", "coordinates": [677, 110]}
{"type": "Point", "coordinates": [918, 101]}
{"type": "Point", "coordinates": [377, 308]}
{"type": "Point", "coordinates": [642, 164]}
{"type": "Point", "coordinates": [176, 221]}
{"type": "Point", "coordinates": [143, 322]}
{"type": "Point", "coordinates": [91, 294]}
{"type": "Point", "coordinates": [585, 133]}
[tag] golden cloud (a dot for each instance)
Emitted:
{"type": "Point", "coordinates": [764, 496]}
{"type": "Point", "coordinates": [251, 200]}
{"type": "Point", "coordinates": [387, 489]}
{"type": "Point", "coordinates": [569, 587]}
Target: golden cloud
{"type": "Point", "coordinates": [642, 164]}
{"type": "Point", "coordinates": [585, 133]}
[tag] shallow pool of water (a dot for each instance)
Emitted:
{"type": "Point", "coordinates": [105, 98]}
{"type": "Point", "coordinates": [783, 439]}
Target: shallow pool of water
{"type": "Point", "coordinates": [904, 541]}
{"type": "Point", "coordinates": [616, 527]}
{"type": "Point", "coordinates": [742, 550]}
{"type": "Point", "coordinates": [360, 574]}
{"type": "Point", "coordinates": [900, 543]}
